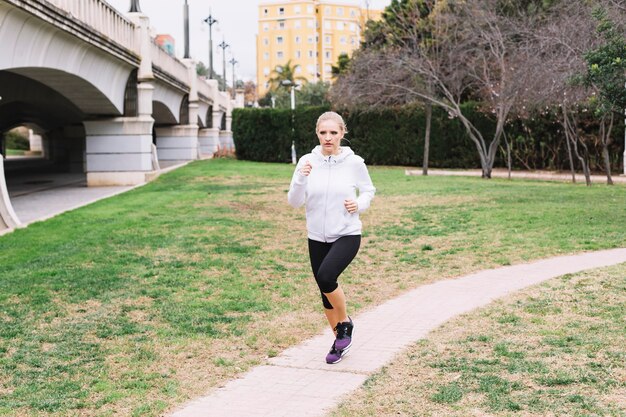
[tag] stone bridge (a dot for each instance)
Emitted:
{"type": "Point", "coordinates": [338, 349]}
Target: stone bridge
{"type": "Point", "coordinates": [106, 99]}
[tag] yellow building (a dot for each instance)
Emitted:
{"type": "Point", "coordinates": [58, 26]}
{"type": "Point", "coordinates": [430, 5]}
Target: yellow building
{"type": "Point", "coordinates": [310, 33]}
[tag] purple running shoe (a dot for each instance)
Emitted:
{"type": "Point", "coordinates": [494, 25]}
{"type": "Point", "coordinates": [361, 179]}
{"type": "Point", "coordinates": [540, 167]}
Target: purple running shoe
{"type": "Point", "coordinates": [335, 355]}
{"type": "Point", "coordinates": [344, 335]}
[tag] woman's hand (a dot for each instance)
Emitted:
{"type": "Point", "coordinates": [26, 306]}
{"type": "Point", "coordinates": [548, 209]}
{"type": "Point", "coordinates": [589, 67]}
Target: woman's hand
{"type": "Point", "coordinates": [351, 206]}
{"type": "Point", "coordinates": [306, 169]}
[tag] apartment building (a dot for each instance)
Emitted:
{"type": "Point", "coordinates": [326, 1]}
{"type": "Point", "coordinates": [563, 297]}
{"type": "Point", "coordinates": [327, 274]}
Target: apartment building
{"type": "Point", "coordinates": [310, 33]}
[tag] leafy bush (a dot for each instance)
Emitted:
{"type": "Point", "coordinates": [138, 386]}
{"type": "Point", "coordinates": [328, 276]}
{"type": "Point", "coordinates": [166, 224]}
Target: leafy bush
{"type": "Point", "coordinates": [395, 136]}
{"type": "Point", "coordinates": [14, 140]}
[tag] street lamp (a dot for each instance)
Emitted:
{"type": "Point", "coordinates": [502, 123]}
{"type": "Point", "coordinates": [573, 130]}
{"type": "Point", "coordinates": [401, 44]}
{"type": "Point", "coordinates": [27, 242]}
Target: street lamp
{"type": "Point", "coordinates": [210, 21]}
{"type": "Point", "coordinates": [134, 7]}
{"type": "Point", "coordinates": [186, 13]}
{"type": "Point", "coordinates": [233, 62]}
{"type": "Point", "coordinates": [224, 45]}
{"type": "Point", "coordinates": [292, 87]}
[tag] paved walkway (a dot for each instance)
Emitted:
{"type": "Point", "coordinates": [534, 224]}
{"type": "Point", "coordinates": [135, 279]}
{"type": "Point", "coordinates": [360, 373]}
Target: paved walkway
{"type": "Point", "coordinates": [530, 175]}
{"type": "Point", "coordinates": [299, 383]}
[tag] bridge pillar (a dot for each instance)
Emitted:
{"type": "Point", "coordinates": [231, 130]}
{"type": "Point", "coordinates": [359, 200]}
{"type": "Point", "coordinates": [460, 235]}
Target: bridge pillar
{"type": "Point", "coordinates": [119, 150]}
{"type": "Point", "coordinates": [208, 141]}
{"type": "Point", "coordinates": [226, 136]}
{"type": "Point", "coordinates": [177, 144]}
{"type": "Point", "coordinates": [8, 218]}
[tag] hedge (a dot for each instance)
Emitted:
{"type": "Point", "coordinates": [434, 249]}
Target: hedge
{"type": "Point", "coordinates": [395, 136]}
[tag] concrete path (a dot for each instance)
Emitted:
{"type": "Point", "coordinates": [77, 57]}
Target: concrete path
{"type": "Point", "coordinates": [528, 175]}
{"type": "Point", "coordinates": [299, 383]}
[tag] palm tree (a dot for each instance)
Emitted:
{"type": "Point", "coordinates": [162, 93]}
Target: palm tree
{"type": "Point", "coordinates": [285, 72]}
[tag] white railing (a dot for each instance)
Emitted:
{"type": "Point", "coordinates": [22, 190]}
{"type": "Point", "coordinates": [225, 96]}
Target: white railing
{"type": "Point", "coordinates": [205, 88]}
{"type": "Point", "coordinates": [169, 64]}
{"type": "Point", "coordinates": [103, 18]}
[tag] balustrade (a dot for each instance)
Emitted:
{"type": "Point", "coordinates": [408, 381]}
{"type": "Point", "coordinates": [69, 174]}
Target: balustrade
{"type": "Point", "coordinates": [103, 18]}
{"type": "Point", "coordinates": [169, 64]}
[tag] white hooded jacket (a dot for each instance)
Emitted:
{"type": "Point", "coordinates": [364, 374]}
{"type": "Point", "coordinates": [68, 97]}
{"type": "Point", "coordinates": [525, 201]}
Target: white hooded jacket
{"type": "Point", "coordinates": [332, 180]}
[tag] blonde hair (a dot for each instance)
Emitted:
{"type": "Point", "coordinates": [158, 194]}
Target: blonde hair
{"type": "Point", "coordinates": [335, 117]}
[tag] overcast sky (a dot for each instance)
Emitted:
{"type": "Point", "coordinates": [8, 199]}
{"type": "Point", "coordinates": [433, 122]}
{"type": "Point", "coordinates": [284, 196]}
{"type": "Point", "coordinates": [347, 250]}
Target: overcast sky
{"type": "Point", "coordinates": [237, 25]}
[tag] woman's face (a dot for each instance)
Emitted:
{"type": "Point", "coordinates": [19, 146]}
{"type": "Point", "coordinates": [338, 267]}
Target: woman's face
{"type": "Point", "coordinates": [330, 134]}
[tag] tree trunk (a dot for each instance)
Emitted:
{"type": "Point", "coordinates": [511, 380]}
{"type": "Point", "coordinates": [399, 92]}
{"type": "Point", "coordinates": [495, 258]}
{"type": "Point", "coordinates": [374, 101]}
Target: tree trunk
{"type": "Point", "coordinates": [571, 157]}
{"type": "Point", "coordinates": [509, 162]}
{"type": "Point", "coordinates": [572, 136]}
{"type": "Point", "coordinates": [429, 116]}
{"type": "Point", "coordinates": [605, 136]}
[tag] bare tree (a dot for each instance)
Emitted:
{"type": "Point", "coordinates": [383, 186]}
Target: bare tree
{"type": "Point", "coordinates": [473, 52]}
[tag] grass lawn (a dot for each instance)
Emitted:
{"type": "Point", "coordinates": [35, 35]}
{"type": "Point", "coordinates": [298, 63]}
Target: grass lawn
{"type": "Point", "coordinates": [134, 304]}
{"type": "Point", "coordinates": [557, 349]}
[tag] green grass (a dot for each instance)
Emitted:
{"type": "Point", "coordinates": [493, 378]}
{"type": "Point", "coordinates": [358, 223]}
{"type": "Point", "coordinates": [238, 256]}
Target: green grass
{"type": "Point", "coordinates": [130, 305]}
{"type": "Point", "coordinates": [563, 361]}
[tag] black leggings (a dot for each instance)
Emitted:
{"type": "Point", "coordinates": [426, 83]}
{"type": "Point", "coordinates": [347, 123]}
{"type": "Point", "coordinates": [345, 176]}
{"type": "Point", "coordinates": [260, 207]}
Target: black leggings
{"type": "Point", "coordinates": [328, 261]}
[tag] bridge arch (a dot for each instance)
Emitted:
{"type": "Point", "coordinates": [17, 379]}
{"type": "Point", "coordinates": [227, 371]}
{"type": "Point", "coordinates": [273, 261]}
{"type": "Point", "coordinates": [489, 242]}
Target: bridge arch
{"type": "Point", "coordinates": [81, 72]}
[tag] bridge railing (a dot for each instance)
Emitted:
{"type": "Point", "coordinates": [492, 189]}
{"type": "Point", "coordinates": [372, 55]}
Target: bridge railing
{"type": "Point", "coordinates": [205, 88]}
{"type": "Point", "coordinates": [104, 19]}
{"type": "Point", "coordinates": [169, 64]}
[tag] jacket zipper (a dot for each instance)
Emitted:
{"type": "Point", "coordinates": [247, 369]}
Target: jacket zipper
{"type": "Point", "coordinates": [326, 200]}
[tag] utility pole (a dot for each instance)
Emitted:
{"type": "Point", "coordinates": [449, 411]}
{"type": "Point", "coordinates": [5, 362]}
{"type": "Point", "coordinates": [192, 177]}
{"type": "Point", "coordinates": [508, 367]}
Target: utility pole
{"type": "Point", "coordinates": [224, 45]}
{"type": "Point", "coordinates": [210, 21]}
{"type": "Point", "coordinates": [233, 62]}
{"type": "Point", "coordinates": [134, 7]}
{"type": "Point", "coordinates": [186, 13]}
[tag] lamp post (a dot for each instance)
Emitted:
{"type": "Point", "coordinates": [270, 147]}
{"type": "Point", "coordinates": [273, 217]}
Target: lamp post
{"type": "Point", "coordinates": [186, 13]}
{"type": "Point", "coordinates": [233, 61]}
{"type": "Point", "coordinates": [210, 21]}
{"type": "Point", "coordinates": [134, 7]}
{"type": "Point", "coordinates": [292, 87]}
{"type": "Point", "coordinates": [224, 45]}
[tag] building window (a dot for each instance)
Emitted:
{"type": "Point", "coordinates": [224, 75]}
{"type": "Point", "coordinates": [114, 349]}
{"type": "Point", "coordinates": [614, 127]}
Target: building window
{"type": "Point", "coordinates": [265, 12]}
{"type": "Point", "coordinates": [327, 54]}
{"type": "Point", "coordinates": [310, 54]}
{"type": "Point", "coordinates": [281, 24]}
{"type": "Point", "coordinates": [279, 55]}
{"type": "Point", "coordinates": [327, 24]}
{"type": "Point", "coordinates": [310, 40]}
{"type": "Point", "coordinates": [327, 10]}
{"type": "Point", "coordinates": [266, 71]}
{"type": "Point", "coordinates": [327, 40]}
{"type": "Point", "coordinates": [353, 27]}
{"type": "Point", "coordinates": [327, 69]}
{"type": "Point", "coordinates": [298, 54]}
{"type": "Point", "coordinates": [310, 69]}
{"type": "Point", "coordinates": [296, 9]}
{"type": "Point", "coordinates": [266, 41]}
{"type": "Point", "coordinates": [310, 23]}
{"type": "Point", "coordinates": [342, 40]}
{"type": "Point", "coordinates": [353, 41]}
{"type": "Point", "coordinates": [298, 69]}
{"type": "Point", "coordinates": [297, 24]}
{"type": "Point", "coordinates": [281, 11]}
{"type": "Point", "coordinates": [279, 40]}
{"type": "Point", "coordinates": [297, 39]}
{"type": "Point", "coordinates": [266, 55]}
{"type": "Point", "coordinates": [339, 11]}
{"type": "Point", "coordinates": [340, 25]}
{"type": "Point", "coordinates": [353, 13]}
{"type": "Point", "coordinates": [266, 26]}
{"type": "Point", "coordinates": [309, 9]}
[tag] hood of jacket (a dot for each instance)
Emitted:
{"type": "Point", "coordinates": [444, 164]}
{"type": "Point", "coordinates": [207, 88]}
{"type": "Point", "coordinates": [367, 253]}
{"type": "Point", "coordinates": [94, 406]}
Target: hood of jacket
{"type": "Point", "coordinates": [333, 159]}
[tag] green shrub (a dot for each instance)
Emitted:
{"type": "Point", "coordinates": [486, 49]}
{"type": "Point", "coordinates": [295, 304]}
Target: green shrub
{"type": "Point", "coordinates": [395, 136]}
{"type": "Point", "coordinates": [14, 140]}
